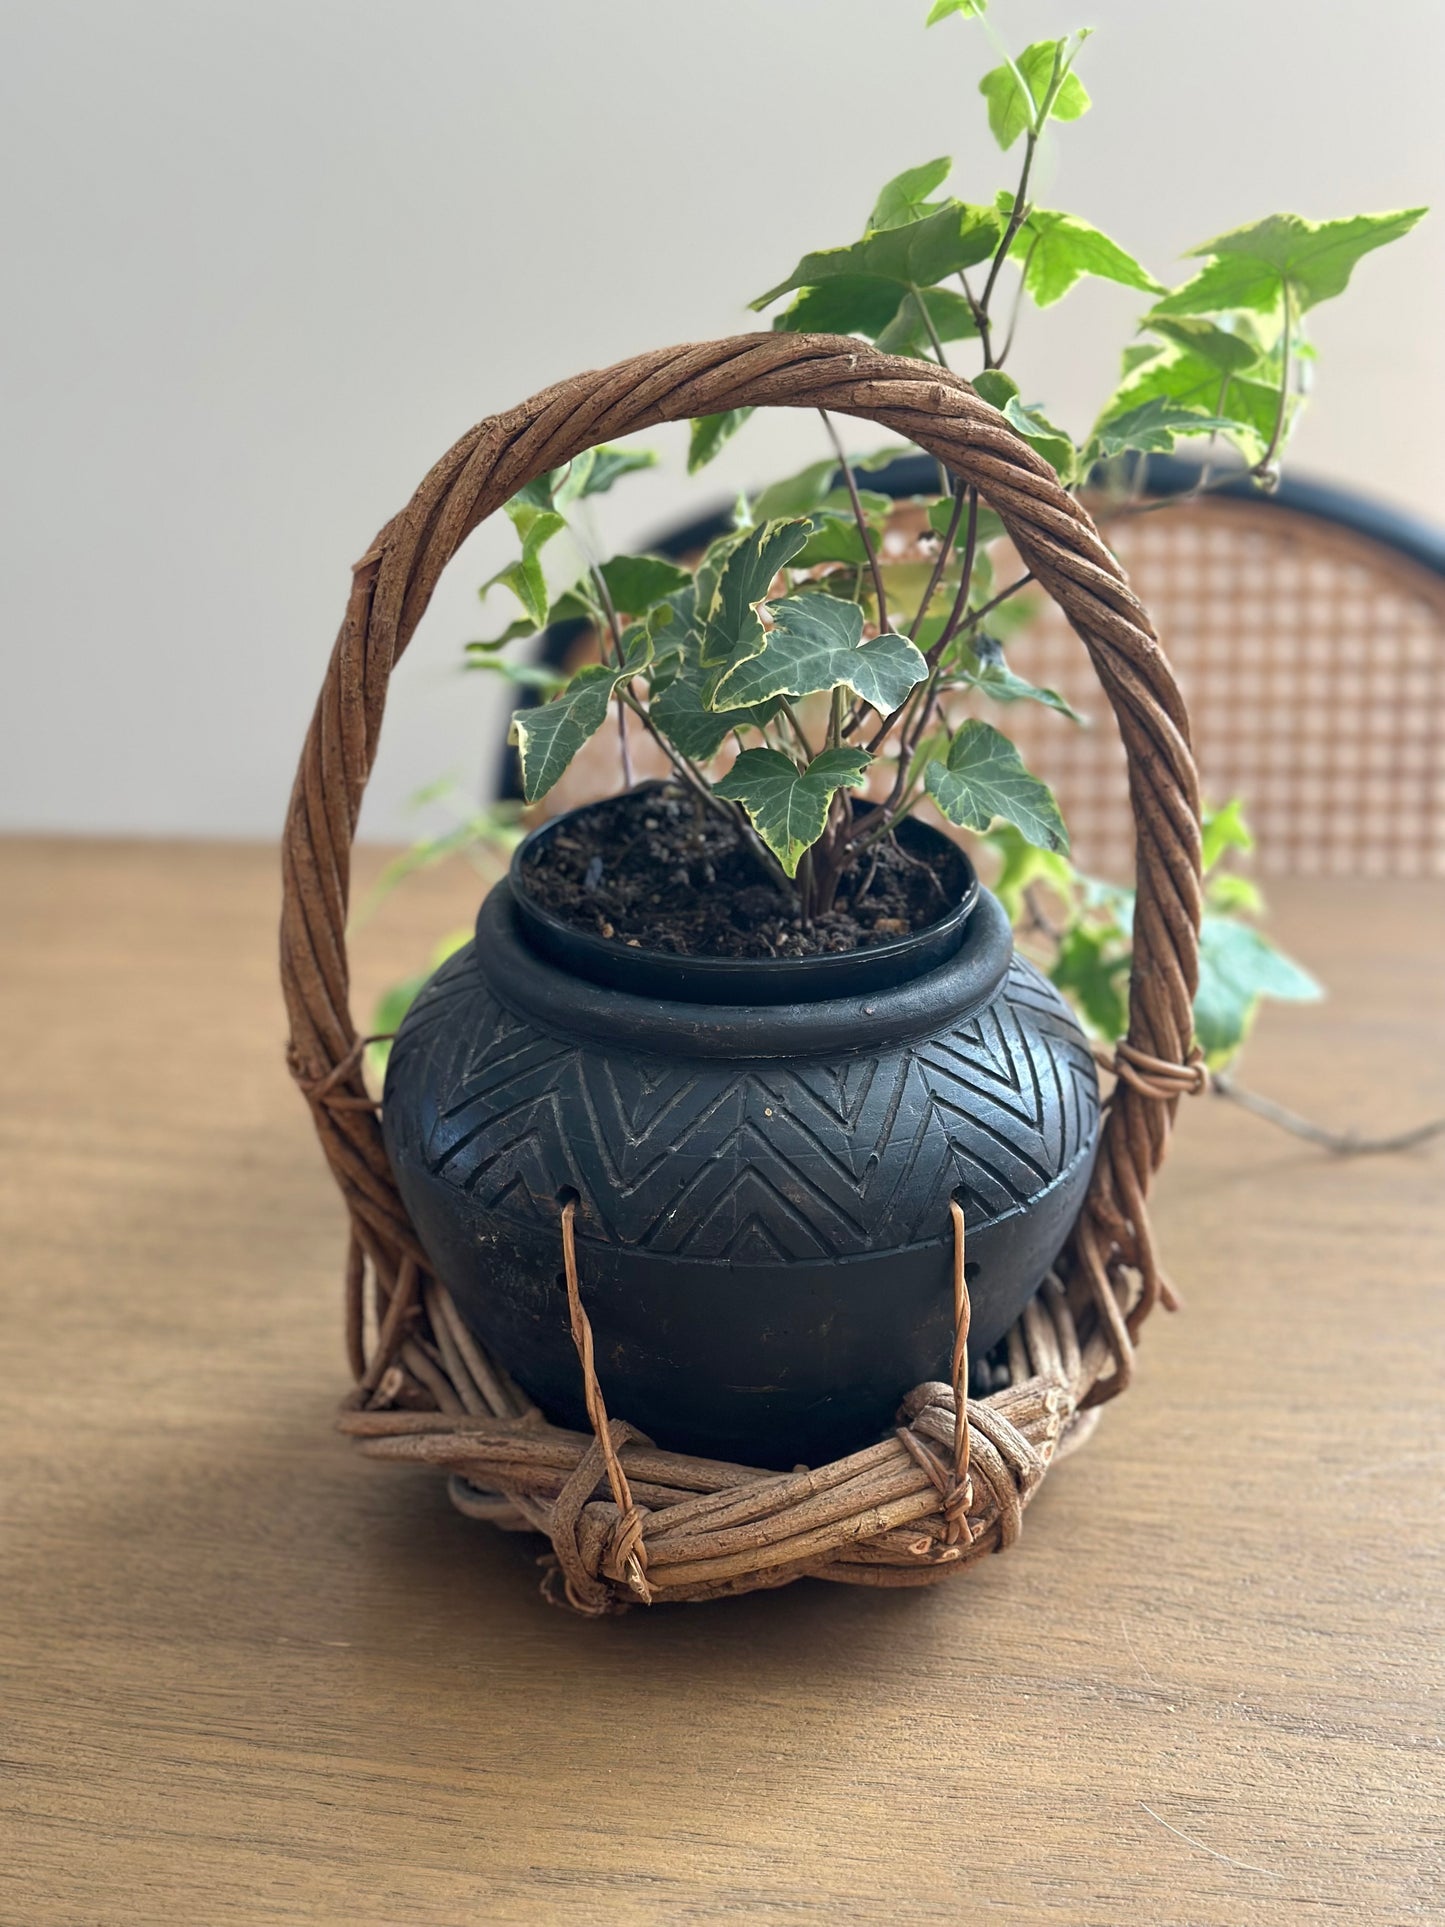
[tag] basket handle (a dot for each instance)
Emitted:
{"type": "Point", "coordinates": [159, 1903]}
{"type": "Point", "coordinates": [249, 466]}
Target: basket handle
{"type": "Point", "coordinates": [1056, 539]}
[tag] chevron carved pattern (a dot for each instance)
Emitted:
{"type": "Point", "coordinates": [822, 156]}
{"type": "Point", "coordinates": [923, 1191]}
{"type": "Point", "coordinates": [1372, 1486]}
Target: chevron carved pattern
{"type": "Point", "coordinates": [760, 1162]}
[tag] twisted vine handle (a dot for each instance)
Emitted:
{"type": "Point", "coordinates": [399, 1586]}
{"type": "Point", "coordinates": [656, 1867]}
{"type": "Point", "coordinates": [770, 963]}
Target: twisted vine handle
{"type": "Point", "coordinates": [394, 581]}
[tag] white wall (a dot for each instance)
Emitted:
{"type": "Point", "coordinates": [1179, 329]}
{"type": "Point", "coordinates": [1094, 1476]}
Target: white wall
{"type": "Point", "coordinates": [265, 259]}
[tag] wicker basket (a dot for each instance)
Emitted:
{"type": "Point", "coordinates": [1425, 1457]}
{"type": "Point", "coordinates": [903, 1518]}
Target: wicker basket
{"type": "Point", "coordinates": [628, 1520]}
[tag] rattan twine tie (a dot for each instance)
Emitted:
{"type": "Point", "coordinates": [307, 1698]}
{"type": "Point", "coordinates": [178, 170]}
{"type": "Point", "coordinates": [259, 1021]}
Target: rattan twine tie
{"type": "Point", "coordinates": [670, 1526]}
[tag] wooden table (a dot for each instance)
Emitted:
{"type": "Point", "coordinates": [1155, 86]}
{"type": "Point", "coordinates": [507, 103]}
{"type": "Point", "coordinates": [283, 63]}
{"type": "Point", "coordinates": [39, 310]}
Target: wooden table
{"type": "Point", "coordinates": [251, 1678]}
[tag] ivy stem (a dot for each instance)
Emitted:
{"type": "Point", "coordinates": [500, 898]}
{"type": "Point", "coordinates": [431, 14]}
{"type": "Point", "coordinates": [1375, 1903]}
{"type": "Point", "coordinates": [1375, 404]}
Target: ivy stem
{"type": "Point", "coordinates": [1262, 466]}
{"type": "Point", "coordinates": [693, 778]}
{"type": "Point", "coordinates": [797, 727]}
{"type": "Point", "coordinates": [1019, 212]}
{"type": "Point", "coordinates": [859, 517]}
{"type": "Point", "coordinates": [920, 708]}
{"type": "Point", "coordinates": [1018, 302]}
{"type": "Point", "coordinates": [927, 320]}
{"type": "Point", "coordinates": [615, 629]}
{"type": "Point", "coordinates": [944, 551]}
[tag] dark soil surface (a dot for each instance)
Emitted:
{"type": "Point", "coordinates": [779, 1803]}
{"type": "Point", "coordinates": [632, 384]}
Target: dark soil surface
{"type": "Point", "coordinates": [655, 869]}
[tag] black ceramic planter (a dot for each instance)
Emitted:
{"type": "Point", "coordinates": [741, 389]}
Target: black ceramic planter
{"type": "Point", "coordinates": [763, 1185]}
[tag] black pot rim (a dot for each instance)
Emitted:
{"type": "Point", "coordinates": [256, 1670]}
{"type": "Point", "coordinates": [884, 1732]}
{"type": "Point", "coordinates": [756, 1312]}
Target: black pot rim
{"type": "Point", "coordinates": [743, 981]}
{"type": "Point", "coordinates": [565, 1003]}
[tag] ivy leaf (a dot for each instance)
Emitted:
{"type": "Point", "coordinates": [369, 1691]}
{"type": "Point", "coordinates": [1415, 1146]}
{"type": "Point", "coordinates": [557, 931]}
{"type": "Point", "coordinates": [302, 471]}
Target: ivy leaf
{"type": "Point", "coordinates": [514, 631]}
{"type": "Point", "coordinates": [1192, 379]}
{"type": "Point", "coordinates": [1230, 350]}
{"type": "Point", "coordinates": [983, 668]}
{"type": "Point", "coordinates": [1012, 110]}
{"type": "Point", "coordinates": [730, 629]}
{"type": "Point", "coordinates": [907, 334]}
{"type": "Point", "coordinates": [1225, 829]}
{"type": "Point", "coordinates": [524, 578]}
{"type": "Point", "coordinates": [1238, 967]}
{"type": "Point", "coordinates": [985, 778]}
{"type": "Point", "coordinates": [815, 644]}
{"type": "Point", "coordinates": [638, 583]}
{"type": "Point", "coordinates": [690, 726]}
{"type": "Point", "coordinates": [522, 675]}
{"type": "Point", "coordinates": [957, 236]}
{"type": "Point", "coordinates": [1154, 426]}
{"type": "Point", "coordinates": [595, 470]}
{"type": "Point", "coordinates": [789, 806]}
{"type": "Point", "coordinates": [969, 9]}
{"type": "Point", "coordinates": [847, 304]}
{"type": "Point", "coordinates": [1041, 435]}
{"type": "Point", "coordinates": [905, 197]}
{"type": "Point", "coordinates": [548, 737]}
{"type": "Point", "coordinates": [1252, 266]}
{"type": "Point", "coordinates": [797, 494]}
{"type": "Point", "coordinates": [1232, 895]}
{"type": "Point", "coordinates": [1022, 863]}
{"type": "Point", "coordinates": [672, 633]}
{"type": "Point", "coordinates": [997, 388]}
{"type": "Point", "coordinates": [1095, 975]}
{"type": "Point", "coordinates": [1057, 249]}
{"type": "Point", "coordinates": [709, 432]}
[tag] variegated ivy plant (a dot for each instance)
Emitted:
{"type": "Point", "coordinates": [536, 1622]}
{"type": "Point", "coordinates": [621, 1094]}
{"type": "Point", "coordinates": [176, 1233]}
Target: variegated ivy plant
{"type": "Point", "coordinates": [797, 663]}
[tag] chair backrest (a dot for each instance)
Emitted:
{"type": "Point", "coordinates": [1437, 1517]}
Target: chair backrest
{"type": "Point", "coordinates": [1312, 657]}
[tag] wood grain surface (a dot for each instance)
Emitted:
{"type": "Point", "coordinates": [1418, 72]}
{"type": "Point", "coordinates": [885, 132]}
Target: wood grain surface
{"type": "Point", "coordinates": [249, 1678]}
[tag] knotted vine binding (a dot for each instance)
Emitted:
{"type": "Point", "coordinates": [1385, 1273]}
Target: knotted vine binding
{"type": "Point", "coordinates": [630, 1521]}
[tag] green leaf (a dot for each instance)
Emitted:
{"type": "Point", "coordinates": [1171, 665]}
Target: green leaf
{"type": "Point", "coordinates": [1041, 435]}
{"type": "Point", "coordinates": [521, 675]}
{"type": "Point", "coordinates": [1231, 350]}
{"type": "Point", "coordinates": [1017, 92]}
{"type": "Point", "coordinates": [1090, 971]}
{"type": "Point", "coordinates": [1232, 895]}
{"type": "Point", "coordinates": [514, 631]}
{"type": "Point", "coordinates": [1007, 618]}
{"type": "Point", "coordinates": [672, 631]}
{"type": "Point", "coordinates": [789, 806]}
{"type": "Point", "coordinates": [1154, 426]}
{"type": "Point", "coordinates": [1057, 249]}
{"type": "Point", "coordinates": [548, 737]}
{"type": "Point", "coordinates": [985, 778]}
{"type": "Point", "coordinates": [1022, 863]}
{"type": "Point", "coordinates": [730, 629]}
{"type": "Point", "coordinates": [708, 434]}
{"type": "Point", "coordinates": [997, 388]}
{"type": "Point", "coordinates": [595, 470]}
{"type": "Point", "coordinates": [957, 236]}
{"type": "Point", "coordinates": [797, 494]}
{"type": "Point", "coordinates": [638, 583]}
{"type": "Point", "coordinates": [1225, 829]}
{"type": "Point", "coordinates": [1237, 967]}
{"type": "Point", "coordinates": [969, 9]}
{"type": "Point", "coordinates": [905, 197]}
{"type": "Point", "coordinates": [1192, 380]}
{"type": "Point", "coordinates": [690, 726]}
{"type": "Point", "coordinates": [836, 536]}
{"type": "Point", "coordinates": [524, 578]}
{"type": "Point", "coordinates": [815, 644]}
{"type": "Point", "coordinates": [907, 334]}
{"type": "Point", "coordinates": [984, 669]}
{"type": "Point", "coordinates": [848, 304]}
{"type": "Point", "coordinates": [1251, 266]}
